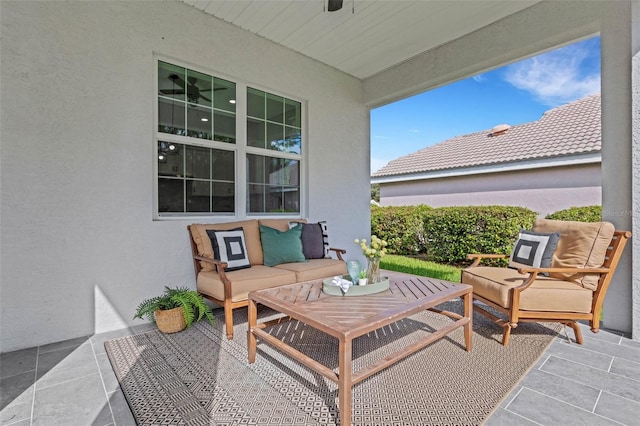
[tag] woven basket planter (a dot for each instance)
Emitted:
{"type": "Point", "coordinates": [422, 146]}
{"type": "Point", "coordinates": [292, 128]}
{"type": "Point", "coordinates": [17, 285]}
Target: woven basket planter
{"type": "Point", "coordinates": [170, 321]}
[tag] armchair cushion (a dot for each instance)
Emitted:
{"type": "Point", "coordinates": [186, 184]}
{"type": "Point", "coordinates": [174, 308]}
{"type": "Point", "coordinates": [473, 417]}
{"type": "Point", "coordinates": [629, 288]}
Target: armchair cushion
{"type": "Point", "coordinates": [534, 249]}
{"type": "Point", "coordinates": [545, 294]}
{"type": "Point", "coordinates": [581, 245]}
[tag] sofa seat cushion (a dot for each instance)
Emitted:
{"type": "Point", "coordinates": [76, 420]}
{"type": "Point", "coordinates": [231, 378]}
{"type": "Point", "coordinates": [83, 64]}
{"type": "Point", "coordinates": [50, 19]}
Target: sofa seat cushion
{"type": "Point", "coordinates": [545, 294]}
{"type": "Point", "coordinates": [251, 237]}
{"type": "Point", "coordinates": [243, 281]}
{"type": "Point", "coordinates": [313, 269]}
{"type": "Point", "coordinates": [581, 245]}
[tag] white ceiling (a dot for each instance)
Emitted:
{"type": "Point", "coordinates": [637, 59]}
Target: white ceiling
{"type": "Point", "coordinates": [365, 36]}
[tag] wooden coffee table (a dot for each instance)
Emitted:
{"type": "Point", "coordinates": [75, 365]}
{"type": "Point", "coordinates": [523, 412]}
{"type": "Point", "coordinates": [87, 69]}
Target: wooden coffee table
{"type": "Point", "coordinates": [346, 318]}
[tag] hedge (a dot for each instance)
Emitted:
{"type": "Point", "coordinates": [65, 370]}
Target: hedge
{"type": "Point", "coordinates": [456, 231]}
{"type": "Point", "coordinates": [579, 214]}
{"type": "Point", "coordinates": [447, 234]}
{"type": "Point", "coordinates": [401, 227]}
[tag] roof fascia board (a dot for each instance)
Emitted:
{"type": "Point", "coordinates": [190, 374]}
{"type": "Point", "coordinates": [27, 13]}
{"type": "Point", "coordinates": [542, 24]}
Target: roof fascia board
{"type": "Point", "coordinates": [494, 168]}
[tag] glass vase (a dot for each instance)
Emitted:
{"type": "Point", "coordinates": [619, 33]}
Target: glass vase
{"type": "Point", "coordinates": [373, 270]}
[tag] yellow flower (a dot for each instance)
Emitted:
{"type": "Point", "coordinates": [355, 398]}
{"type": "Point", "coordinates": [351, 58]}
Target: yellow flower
{"type": "Point", "coordinates": [375, 250]}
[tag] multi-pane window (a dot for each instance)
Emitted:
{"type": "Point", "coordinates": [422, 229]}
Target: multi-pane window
{"type": "Point", "coordinates": [273, 122]}
{"type": "Point", "coordinates": [274, 184]}
{"type": "Point", "coordinates": [198, 150]}
{"type": "Point", "coordinates": [195, 179]}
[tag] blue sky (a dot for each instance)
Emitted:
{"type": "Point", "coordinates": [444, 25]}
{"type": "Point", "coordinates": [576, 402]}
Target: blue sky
{"type": "Point", "coordinates": [514, 94]}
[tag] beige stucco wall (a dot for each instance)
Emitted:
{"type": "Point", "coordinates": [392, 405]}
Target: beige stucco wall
{"type": "Point", "coordinates": [80, 248]}
{"type": "Point", "coordinates": [544, 191]}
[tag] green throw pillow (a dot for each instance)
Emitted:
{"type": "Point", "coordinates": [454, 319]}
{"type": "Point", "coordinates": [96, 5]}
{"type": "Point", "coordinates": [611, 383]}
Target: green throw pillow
{"type": "Point", "coordinates": [281, 247]}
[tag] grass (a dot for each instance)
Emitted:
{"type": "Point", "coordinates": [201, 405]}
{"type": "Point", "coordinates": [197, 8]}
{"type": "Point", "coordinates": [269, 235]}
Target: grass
{"type": "Point", "coordinates": [420, 267]}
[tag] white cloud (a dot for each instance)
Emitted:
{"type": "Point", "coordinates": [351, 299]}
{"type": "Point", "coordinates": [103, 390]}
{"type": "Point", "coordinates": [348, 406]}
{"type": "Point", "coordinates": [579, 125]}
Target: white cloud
{"type": "Point", "coordinates": [479, 78]}
{"type": "Point", "coordinates": [556, 77]}
{"type": "Point", "coordinates": [414, 131]}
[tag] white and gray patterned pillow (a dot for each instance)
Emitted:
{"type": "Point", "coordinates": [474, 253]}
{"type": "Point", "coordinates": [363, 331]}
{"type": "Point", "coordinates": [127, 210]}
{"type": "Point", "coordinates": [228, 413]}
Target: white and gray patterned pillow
{"type": "Point", "coordinates": [229, 246]}
{"type": "Point", "coordinates": [315, 240]}
{"type": "Point", "coordinates": [534, 249]}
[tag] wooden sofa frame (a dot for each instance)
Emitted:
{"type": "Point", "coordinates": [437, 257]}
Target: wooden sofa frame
{"type": "Point", "coordinates": [515, 315]}
{"type": "Point", "coordinates": [227, 303]}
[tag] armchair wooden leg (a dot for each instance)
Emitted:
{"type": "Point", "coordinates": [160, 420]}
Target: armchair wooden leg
{"type": "Point", "coordinates": [576, 330]}
{"type": "Point", "coordinates": [507, 333]}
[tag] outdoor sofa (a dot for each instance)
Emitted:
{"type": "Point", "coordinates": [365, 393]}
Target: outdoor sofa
{"type": "Point", "coordinates": [233, 258]}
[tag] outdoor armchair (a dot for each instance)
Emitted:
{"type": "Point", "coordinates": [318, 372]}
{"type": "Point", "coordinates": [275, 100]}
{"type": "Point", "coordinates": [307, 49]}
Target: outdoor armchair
{"type": "Point", "coordinates": [570, 289]}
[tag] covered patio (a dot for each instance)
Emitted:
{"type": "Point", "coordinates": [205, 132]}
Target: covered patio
{"type": "Point", "coordinates": [82, 237]}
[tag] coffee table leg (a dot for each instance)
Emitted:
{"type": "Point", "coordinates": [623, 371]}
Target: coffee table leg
{"type": "Point", "coordinates": [344, 382]}
{"type": "Point", "coordinates": [468, 313]}
{"type": "Point", "coordinates": [251, 338]}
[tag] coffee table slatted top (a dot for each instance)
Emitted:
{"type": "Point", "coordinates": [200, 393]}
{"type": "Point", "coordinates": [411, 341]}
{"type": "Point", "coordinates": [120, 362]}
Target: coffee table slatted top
{"type": "Point", "coordinates": [344, 315]}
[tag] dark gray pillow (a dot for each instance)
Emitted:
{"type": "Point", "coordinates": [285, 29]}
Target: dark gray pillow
{"type": "Point", "coordinates": [315, 243]}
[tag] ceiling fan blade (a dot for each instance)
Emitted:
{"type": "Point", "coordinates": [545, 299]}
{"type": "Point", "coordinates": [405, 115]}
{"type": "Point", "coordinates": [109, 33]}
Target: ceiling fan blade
{"type": "Point", "coordinates": [205, 98]}
{"type": "Point", "coordinates": [176, 79]}
{"type": "Point", "coordinates": [172, 91]}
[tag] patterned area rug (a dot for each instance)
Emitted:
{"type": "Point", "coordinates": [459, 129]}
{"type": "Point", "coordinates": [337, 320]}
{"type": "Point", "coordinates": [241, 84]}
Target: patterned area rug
{"type": "Point", "coordinates": [198, 377]}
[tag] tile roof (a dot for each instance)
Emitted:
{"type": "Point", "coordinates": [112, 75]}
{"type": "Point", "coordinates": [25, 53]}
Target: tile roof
{"type": "Point", "coordinates": [570, 129]}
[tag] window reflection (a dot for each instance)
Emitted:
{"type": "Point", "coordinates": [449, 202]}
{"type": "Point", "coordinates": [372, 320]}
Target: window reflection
{"type": "Point", "coordinates": [194, 104]}
{"type": "Point", "coordinates": [196, 171]}
{"type": "Point", "coordinates": [195, 179]}
{"type": "Point", "coordinates": [274, 184]}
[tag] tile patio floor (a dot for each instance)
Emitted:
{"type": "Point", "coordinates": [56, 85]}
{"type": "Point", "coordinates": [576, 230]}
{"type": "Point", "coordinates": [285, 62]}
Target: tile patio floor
{"type": "Point", "coordinates": [71, 383]}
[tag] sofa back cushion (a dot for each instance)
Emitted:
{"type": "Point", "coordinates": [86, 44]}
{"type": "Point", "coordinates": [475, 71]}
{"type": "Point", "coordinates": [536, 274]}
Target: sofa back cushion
{"type": "Point", "coordinates": [251, 236]}
{"type": "Point", "coordinates": [279, 224]}
{"type": "Point", "coordinates": [581, 245]}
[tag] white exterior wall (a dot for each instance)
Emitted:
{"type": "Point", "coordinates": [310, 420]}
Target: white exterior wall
{"type": "Point", "coordinates": [544, 190]}
{"type": "Point", "coordinates": [635, 157]}
{"type": "Point", "coordinates": [79, 248]}
{"type": "Point", "coordinates": [617, 163]}
{"type": "Point", "coordinates": [544, 26]}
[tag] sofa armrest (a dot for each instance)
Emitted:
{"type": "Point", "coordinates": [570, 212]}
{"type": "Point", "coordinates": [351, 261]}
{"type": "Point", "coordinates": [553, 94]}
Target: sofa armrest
{"type": "Point", "coordinates": [477, 257]}
{"type": "Point", "coordinates": [339, 252]}
{"type": "Point", "coordinates": [220, 266]}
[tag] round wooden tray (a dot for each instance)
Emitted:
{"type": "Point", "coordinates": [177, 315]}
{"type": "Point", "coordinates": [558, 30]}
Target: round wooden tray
{"type": "Point", "coordinates": [355, 290]}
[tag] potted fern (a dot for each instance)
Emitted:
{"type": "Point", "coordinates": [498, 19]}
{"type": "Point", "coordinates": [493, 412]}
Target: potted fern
{"type": "Point", "coordinates": [175, 309]}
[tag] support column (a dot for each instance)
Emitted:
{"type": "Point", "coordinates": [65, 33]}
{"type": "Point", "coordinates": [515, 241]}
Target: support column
{"type": "Point", "coordinates": [617, 152]}
{"type": "Point", "coordinates": [635, 132]}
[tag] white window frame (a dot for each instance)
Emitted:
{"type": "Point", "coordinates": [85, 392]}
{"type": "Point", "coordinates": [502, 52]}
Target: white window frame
{"type": "Point", "coordinates": [240, 148]}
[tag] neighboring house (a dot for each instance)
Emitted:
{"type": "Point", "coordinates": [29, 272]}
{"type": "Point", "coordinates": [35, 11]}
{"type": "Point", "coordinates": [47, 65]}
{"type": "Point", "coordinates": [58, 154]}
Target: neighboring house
{"type": "Point", "coordinates": [546, 165]}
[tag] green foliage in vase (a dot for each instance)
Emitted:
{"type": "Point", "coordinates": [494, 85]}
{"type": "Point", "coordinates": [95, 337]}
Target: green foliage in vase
{"type": "Point", "coordinates": [193, 305]}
